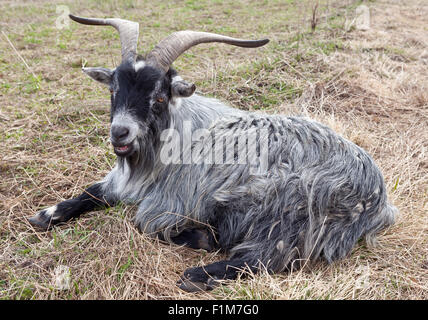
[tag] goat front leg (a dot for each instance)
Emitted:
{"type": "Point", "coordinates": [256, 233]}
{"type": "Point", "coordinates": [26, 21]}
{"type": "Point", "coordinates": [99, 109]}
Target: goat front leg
{"type": "Point", "coordinates": [92, 198]}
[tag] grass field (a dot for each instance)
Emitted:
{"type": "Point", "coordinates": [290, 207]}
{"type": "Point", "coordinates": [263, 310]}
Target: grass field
{"type": "Point", "coordinates": [369, 85]}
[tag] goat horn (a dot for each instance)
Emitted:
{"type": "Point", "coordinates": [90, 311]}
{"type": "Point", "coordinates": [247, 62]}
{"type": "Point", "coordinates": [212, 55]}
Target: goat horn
{"type": "Point", "coordinates": [170, 48]}
{"type": "Point", "coordinates": [128, 32]}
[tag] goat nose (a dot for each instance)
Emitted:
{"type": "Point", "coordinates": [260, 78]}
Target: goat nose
{"type": "Point", "coordinates": [119, 132]}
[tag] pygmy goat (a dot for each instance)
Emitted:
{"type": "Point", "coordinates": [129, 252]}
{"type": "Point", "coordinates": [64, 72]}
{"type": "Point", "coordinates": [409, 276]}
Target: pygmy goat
{"type": "Point", "coordinates": [271, 191]}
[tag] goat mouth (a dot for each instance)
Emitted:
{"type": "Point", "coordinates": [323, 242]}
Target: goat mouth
{"type": "Point", "coordinates": [123, 151]}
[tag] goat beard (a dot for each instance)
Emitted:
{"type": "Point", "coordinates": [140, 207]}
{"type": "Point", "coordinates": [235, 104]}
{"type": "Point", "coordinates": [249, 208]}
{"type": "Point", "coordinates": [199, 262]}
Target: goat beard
{"type": "Point", "coordinates": [143, 158]}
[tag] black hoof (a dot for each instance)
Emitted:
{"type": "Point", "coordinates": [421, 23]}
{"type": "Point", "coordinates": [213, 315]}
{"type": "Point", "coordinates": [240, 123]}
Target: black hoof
{"type": "Point", "coordinates": [196, 239]}
{"type": "Point", "coordinates": [41, 220]}
{"type": "Point", "coordinates": [197, 279]}
{"type": "Point", "coordinates": [210, 276]}
{"type": "Point", "coordinates": [190, 286]}
{"type": "Point", "coordinates": [204, 240]}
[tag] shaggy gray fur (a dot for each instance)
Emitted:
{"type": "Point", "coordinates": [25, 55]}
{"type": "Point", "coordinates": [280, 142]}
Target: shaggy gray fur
{"type": "Point", "coordinates": [320, 194]}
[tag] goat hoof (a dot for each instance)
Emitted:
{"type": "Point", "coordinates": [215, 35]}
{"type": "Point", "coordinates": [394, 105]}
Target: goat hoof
{"type": "Point", "coordinates": [205, 240]}
{"type": "Point", "coordinates": [197, 279]}
{"type": "Point", "coordinates": [41, 220]}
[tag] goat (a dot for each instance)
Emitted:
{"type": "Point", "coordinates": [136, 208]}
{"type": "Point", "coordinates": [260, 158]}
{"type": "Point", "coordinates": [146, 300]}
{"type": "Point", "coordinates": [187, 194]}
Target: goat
{"type": "Point", "coordinates": [311, 197]}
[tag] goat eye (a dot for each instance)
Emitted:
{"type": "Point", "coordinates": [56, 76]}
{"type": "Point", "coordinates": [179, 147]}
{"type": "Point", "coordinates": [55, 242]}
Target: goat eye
{"type": "Point", "coordinates": [160, 100]}
{"type": "Point", "coordinates": [111, 90]}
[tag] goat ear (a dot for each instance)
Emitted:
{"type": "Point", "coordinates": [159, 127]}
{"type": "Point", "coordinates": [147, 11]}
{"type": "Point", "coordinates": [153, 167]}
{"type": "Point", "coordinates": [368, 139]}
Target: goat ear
{"type": "Point", "coordinates": [102, 75]}
{"type": "Point", "coordinates": [181, 88]}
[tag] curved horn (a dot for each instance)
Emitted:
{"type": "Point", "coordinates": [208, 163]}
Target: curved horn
{"type": "Point", "coordinates": [128, 32]}
{"type": "Point", "coordinates": [170, 48]}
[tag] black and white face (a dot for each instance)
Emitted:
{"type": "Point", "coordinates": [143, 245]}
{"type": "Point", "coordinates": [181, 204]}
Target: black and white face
{"type": "Point", "coordinates": [141, 96]}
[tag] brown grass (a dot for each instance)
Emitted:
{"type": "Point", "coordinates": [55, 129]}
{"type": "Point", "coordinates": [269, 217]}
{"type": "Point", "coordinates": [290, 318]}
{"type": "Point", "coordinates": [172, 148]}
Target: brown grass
{"type": "Point", "coordinates": [370, 86]}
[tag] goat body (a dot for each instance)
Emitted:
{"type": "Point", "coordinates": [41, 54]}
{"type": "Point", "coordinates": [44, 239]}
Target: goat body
{"type": "Point", "coordinates": [319, 194]}
{"type": "Point", "coordinates": [300, 193]}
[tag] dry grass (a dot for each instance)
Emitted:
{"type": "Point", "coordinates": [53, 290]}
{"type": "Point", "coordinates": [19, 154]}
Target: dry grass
{"type": "Point", "coordinates": [370, 86]}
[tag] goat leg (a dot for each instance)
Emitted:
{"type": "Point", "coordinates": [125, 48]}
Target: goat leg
{"type": "Point", "coordinates": [92, 198]}
{"type": "Point", "coordinates": [209, 276]}
{"type": "Point", "coordinates": [196, 239]}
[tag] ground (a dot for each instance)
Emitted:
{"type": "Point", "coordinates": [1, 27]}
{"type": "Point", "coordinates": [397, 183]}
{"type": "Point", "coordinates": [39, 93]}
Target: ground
{"type": "Point", "coordinates": [370, 85]}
